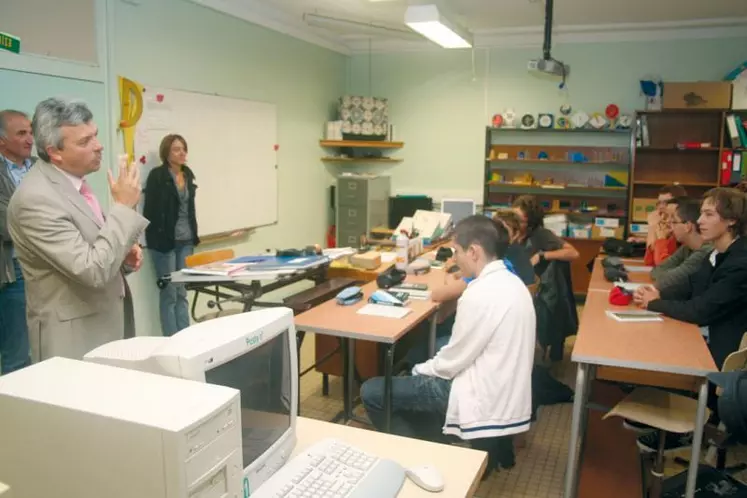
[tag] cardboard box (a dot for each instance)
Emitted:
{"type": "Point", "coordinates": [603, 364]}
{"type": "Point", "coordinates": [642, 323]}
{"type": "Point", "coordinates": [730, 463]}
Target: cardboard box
{"type": "Point", "coordinates": [698, 95]}
{"type": "Point", "coordinates": [607, 222]}
{"type": "Point", "coordinates": [641, 208]}
{"type": "Point", "coordinates": [598, 232]}
{"type": "Point", "coordinates": [369, 260]}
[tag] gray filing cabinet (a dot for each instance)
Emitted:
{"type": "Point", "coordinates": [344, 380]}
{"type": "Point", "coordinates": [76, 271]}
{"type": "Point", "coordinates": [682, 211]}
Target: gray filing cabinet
{"type": "Point", "coordinates": [362, 204]}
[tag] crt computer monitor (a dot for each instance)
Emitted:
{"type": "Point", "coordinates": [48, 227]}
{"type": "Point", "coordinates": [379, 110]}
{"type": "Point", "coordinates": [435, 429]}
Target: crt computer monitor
{"type": "Point", "coordinates": [458, 209]}
{"type": "Point", "coordinates": [253, 352]}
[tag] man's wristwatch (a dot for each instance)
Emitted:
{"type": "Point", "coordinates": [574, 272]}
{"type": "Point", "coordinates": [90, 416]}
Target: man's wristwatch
{"type": "Point", "coordinates": [541, 255]}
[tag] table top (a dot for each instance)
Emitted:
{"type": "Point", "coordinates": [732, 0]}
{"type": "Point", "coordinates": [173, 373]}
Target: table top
{"type": "Point", "coordinates": [461, 468]}
{"type": "Point", "coordinates": [330, 318]}
{"type": "Point", "coordinates": [668, 346]}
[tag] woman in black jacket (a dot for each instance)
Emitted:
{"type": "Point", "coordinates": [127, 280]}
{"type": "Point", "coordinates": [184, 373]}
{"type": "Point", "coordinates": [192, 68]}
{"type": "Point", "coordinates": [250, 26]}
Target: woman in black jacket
{"type": "Point", "coordinates": [172, 233]}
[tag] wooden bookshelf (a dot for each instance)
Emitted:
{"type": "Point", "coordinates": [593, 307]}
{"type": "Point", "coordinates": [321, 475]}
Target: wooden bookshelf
{"type": "Point", "coordinates": [361, 160]}
{"type": "Point", "coordinates": [578, 163]}
{"type": "Point", "coordinates": [659, 161]}
{"type": "Point", "coordinates": [372, 144]}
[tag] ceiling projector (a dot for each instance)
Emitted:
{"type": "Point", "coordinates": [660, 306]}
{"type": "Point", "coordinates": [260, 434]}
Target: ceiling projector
{"type": "Point", "coordinates": [549, 66]}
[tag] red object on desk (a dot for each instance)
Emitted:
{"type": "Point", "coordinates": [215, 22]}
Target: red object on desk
{"type": "Point", "coordinates": [620, 298]}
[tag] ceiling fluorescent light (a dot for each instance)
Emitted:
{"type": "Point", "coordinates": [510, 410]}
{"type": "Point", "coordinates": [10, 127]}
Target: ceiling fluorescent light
{"type": "Point", "coordinates": [429, 22]}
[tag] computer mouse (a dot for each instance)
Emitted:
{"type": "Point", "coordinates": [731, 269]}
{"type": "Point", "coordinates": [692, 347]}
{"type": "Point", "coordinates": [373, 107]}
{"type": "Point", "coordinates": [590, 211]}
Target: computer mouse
{"type": "Point", "coordinates": [427, 477]}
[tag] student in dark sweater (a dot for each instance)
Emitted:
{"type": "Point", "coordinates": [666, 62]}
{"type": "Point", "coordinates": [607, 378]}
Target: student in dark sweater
{"type": "Point", "coordinates": [715, 296]}
{"type": "Point", "coordinates": [543, 245]}
{"type": "Point", "coordinates": [516, 254]}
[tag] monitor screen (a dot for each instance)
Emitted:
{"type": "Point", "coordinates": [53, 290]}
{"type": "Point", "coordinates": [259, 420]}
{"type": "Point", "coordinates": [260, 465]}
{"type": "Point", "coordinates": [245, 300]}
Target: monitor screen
{"type": "Point", "coordinates": [458, 209]}
{"type": "Point", "coordinates": [262, 375]}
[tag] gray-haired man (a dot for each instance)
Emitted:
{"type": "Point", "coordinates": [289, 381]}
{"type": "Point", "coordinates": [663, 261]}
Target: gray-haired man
{"type": "Point", "coordinates": [71, 255]}
{"type": "Point", "coordinates": [16, 143]}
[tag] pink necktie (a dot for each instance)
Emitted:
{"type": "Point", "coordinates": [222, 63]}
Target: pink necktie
{"type": "Point", "coordinates": [87, 194]}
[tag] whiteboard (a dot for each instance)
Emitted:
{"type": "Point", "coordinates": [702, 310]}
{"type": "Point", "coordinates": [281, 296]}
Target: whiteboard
{"type": "Point", "coordinates": [231, 150]}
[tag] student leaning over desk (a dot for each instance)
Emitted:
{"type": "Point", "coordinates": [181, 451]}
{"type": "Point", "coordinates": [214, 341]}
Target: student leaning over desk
{"type": "Point", "coordinates": [172, 233]}
{"type": "Point", "coordinates": [715, 296]}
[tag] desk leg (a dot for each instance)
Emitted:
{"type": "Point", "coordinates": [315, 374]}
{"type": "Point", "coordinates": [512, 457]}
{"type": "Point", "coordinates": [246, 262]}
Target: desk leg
{"type": "Point", "coordinates": [692, 471]}
{"type": "Point", "coordinates": [432, 335]}
{"type": "Point", "coordinates": [348, 376]}
{"type": "Point", "coordinates": [578, 431]}
{"type": "Point", "coordinates": [388, 372]}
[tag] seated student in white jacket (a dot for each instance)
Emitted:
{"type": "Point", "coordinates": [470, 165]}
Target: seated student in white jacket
{"type": "Point", "coordinates": [479, 384]}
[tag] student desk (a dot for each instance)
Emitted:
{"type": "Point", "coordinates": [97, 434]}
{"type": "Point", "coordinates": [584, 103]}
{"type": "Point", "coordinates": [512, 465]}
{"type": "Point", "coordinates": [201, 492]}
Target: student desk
{"type": "Point", "coordinates": [669, 354]}
{"type": "Point", "coordinates": [461, 468]}
{"type": "Point", "coordinates": [367, 353]}
{"type": "Point", "coordinates": [345, 323]}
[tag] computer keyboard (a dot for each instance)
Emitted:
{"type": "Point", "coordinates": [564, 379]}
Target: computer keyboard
{"type": "Point", "coordinates": [334, 469]}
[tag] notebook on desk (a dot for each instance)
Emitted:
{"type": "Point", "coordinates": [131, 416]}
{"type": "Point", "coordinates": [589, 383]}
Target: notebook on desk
{"type": "Point", "coordinates": [264, 263]}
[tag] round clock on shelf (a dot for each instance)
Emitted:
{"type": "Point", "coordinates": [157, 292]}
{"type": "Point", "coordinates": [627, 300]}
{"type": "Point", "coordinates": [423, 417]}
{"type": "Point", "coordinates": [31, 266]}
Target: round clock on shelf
{"type": "Point", "coordinates": [566, 109]}
{"type": "Point", "coordinates": [545, 120]}
{"type": "Point", "coordinates": [528, 121]}
{"type": "Point", "coordinates": [509, 118]}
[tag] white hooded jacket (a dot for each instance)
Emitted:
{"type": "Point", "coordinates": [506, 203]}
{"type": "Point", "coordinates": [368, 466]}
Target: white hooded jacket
{"type": "Point", "coordinates": [489, 357]}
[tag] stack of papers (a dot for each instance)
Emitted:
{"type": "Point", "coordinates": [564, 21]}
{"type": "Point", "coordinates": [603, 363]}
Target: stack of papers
{"type": "Point", "coordinates": [221, 269]}
{"type": "Point", "coordinates": [635, 316]}
{"type": "Point", "coordinates": [384, 310]}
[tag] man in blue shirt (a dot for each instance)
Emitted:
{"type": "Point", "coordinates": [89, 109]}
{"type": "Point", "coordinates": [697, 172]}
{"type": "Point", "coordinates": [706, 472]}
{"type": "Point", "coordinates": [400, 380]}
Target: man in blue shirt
{"type": "Point", "coordinates": [16, 142]}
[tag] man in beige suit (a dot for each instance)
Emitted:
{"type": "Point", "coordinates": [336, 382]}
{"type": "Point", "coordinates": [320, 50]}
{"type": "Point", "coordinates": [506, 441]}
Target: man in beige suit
{"type": "Point", "coordinates": [72, 257]}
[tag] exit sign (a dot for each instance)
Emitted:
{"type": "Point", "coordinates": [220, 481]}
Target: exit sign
{"type": "Point", "coordinates": [10, 43]}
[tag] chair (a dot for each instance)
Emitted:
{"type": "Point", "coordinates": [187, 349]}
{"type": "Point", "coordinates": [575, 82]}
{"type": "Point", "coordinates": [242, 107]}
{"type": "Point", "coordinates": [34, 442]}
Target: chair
{"type": "Point", "coordinates": [204, 258]}
{"type": "Point", "coordinates": [671, 412]}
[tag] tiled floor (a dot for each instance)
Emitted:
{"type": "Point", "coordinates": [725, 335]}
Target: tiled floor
{"type": "Point", "coordinates": [540, 464]}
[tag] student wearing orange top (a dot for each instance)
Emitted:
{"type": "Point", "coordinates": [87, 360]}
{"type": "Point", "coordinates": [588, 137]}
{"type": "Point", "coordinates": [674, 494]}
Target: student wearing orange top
{"type": "Point", "coordinates": [660, 243]}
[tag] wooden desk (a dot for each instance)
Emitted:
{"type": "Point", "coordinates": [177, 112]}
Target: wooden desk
{"type": "Point", "coordinates": [367, 353]}
{"type": "Point", "coordinates": [666, 354]}
{"type": "Point", "coordinates": [344, 322]}
{"type": "Point", "coordinates": [461, 468]}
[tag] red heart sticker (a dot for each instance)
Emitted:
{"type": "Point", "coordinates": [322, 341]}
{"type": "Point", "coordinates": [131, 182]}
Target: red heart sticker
{"type": "Point", "coordinates": [142, 159]}
{"type": "Point", "coordinates": [276, 147]}
{"type": "Point", "coordinates": [159, 97]}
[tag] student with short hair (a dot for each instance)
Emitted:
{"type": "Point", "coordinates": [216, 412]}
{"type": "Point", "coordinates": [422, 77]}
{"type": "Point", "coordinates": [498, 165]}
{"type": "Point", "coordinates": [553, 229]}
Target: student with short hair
{"type": "Point", "coordinates": [715, 295]}
{"type": "Point", "coordinates": [479, 385]}
{"type": "Point", "coordinates": [683, 218]}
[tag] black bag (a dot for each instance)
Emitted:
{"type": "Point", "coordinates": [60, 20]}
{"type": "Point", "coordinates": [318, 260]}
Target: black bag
{"type": "Point", "coordinates": [547, 390]}
{"type": "Point", "coordinates": [390, 278]}
{"type": "Point", "coordinates": [623, 248]}
{"type": "Point", "coordinates": [614, 269]}
{"type": "Point", "coordinates": [712, 483]}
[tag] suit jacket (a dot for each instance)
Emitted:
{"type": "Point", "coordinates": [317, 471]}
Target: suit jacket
{"type": "Point", "coordinates": [7, 187]}
{"type": "Point", "coordinates": [72, 265]}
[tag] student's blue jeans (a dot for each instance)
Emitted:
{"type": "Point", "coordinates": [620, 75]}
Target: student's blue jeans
{"type": "Point", "coordinates": [173, 299]}
{"type": "Point", "coordinates": [14, 334]}
{"type": "Point", "coordinates": [419, 405]}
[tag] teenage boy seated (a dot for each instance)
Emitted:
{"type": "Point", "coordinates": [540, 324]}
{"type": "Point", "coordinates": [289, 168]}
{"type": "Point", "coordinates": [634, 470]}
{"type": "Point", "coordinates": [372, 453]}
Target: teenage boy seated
{"type": "Point", "coordinates": [715, 295]}
{"type": "Point", "coordinates": [478, 385]}
{"type": "Point", "coordinates": [683, 216]}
